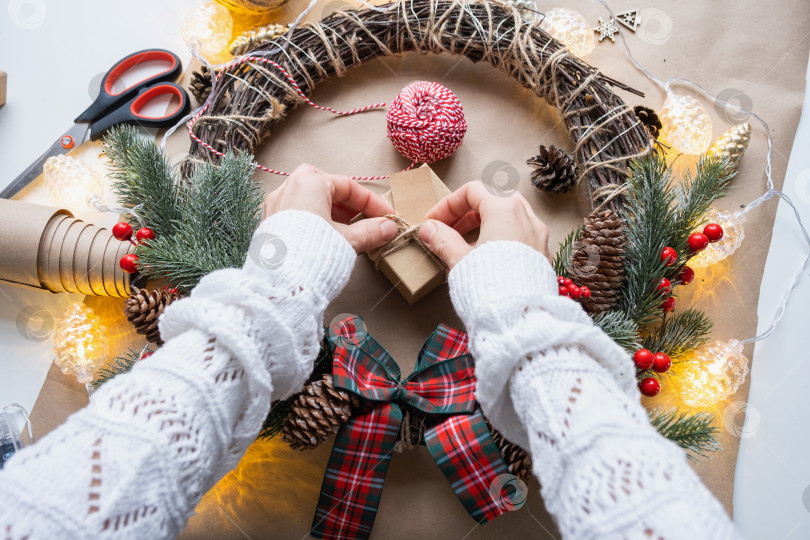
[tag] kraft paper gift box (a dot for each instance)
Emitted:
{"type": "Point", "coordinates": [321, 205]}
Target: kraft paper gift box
{"type": "Point", "coordinates": [411, 270]}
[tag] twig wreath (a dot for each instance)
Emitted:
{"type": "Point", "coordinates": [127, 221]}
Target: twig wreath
{"type": "Point", "coordinates": [251, 95]}
{"type": "Point", "coordinates": [626, 258]}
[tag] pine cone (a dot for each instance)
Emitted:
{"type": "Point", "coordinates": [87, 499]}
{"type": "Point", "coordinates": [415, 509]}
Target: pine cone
{"type": "Point", "coordinates": [249, 40]}
{"type": "Point", "coordinates": [200, 85]}
{"type": "Point", "coordinates": [598, 261]}
{"type": "Point", "coordinates": [517, 459]}
{"type": "Point", "coordinates": [649, 118]}
{"type": "Point", "coordinates": [318, 412]}
{"type": "Point", "coordinates": [143, 308]}
{"type": "Point", "coordinates": [555, 170]}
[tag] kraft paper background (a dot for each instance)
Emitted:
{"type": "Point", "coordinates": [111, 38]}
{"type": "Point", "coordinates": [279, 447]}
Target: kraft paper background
{"type": "Point", "coordinates": [728, 47]}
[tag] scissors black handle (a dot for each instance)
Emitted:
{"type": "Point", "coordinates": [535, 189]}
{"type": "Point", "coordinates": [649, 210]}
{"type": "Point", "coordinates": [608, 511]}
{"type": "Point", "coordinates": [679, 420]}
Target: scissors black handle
{"type": "Point", "coordinates": [107, 100]}
{"type": "Point", "coordinates": [131, 112]}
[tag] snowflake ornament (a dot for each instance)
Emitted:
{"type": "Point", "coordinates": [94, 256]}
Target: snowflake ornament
{"type": "Point", "coordinates": [606, 29]}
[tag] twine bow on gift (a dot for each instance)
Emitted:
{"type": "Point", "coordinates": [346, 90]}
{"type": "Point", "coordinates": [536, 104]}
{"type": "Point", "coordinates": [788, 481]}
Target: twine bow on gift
{"type": "Point", "coordinates": [406, 234]}
{"type": "Point", "coordinates": [442, 386]}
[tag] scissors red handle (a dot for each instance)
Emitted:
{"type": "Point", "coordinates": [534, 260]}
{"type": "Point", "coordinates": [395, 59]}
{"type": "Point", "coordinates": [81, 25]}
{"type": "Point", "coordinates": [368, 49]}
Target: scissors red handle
{"type": "Point", "coordinates": [132, 112]}
{"type": "Point", "coordinates": [107, 100]}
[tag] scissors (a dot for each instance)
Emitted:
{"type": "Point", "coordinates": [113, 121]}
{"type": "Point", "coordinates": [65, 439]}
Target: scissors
{"type": "Point", "coordinates": [116, 107]}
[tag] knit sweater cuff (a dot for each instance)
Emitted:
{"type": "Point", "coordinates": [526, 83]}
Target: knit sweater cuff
{"type": "Point", "coordinates": [295, 247]}
{"type": "Point", "coordinates": [499, 271]}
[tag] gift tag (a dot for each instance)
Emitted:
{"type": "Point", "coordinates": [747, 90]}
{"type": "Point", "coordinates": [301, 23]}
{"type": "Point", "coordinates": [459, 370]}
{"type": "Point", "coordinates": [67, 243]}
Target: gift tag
{"type": "Point", "coordinates": [413, 194]}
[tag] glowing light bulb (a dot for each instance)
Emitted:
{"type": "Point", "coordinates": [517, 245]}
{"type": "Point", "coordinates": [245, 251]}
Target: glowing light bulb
{"type": "Point", "coordinates": [571, 29]}
{"type": "Point", "coordinates": [70, 182]}
{"type": "Point", "coordinates": [687, 126]}
{"type": "Point", "coordinates": [80, 343]}
{"type": "Point", "coordinates": [714, 372]}
{"type": "Point", "coordinates": [252, 7]}
{"type": "Point", "coordinates": [527, 9]}
{"type": "Point", "coordinates": [208, 29]}
{"type": "Point", "coordinates": [733, 234]}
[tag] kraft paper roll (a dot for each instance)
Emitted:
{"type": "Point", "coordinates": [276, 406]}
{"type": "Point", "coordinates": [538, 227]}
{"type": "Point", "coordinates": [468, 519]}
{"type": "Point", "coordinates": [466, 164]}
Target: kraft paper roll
{"type": "Point", "coordinates": [44, 250]}
{"type": "Point", "coordinates": [21, 227]}
{"type": "Point", "coordinates": [55, 246]}
{"type": "Point", "coordinates": [48, 248]}
{"type": "Point", "coordinates": [83, 264]}
{"type": "Point", "coordinates": [108, 269]}
{"type": "Point", "coordinates": [121, 278]}
{"type": "Point", "coordinates": [66, 269]}
{"type": "Point", "coordinates": [96, 271]}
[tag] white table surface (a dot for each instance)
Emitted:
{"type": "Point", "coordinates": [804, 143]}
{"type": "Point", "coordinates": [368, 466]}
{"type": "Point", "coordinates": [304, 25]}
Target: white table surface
{"type": "Point", "coordinates": [55, 54]}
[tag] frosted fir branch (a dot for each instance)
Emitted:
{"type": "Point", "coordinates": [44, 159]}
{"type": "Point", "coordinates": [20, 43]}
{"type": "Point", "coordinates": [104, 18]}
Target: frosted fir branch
{"type": "Point", "coordinates": [650, 215]}
{"type": "Point", "coordinates": [680, 333]}
{"type": "Point", "coordinates": [565, 253]}
{"type": "Point", "coordinates": [142, 175]}
{"type": "Point", "coordinates": [693, 197]}
{"type": "Point", "coordinates": [121, 364]}
{"type": "Point", "coordinates": [620, 328]}
{"type": "Point", "coordinates": [661, 212]}
{"type": "Point", "coordinates": [695, 433]}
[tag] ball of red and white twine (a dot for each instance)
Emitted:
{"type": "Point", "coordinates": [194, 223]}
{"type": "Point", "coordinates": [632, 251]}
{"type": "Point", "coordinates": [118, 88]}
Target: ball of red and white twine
{"type": "Point", "coordinates": [426, 122]}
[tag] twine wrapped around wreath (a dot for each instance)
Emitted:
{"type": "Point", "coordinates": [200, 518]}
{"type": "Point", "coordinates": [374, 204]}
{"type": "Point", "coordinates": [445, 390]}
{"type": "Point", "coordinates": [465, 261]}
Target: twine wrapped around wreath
{"type": "Point", "coordinates": [251, 97]}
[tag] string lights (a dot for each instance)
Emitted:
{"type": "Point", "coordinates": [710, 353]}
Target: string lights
{"type": "Point", "coordinates": [729, 358]}
{"type": "Point", "coordinates": [571, 29]}
{"type": "Point", "coordinates": [714, 372]}
{"type": "Point", "coordinates": [80, 343]}
{"type": "Point", "coordinates": [208, 29]}
{"type": "Point", "coordinates": [687, 126]}
{"type": "Point", "coordinates": [70, 182]}
{"type": "Point", "coordinates": [732, 237]}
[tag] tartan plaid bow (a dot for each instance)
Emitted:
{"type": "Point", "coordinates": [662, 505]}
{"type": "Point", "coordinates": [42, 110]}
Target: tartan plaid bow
{"type": "Point", "coordinates": [443, 383]}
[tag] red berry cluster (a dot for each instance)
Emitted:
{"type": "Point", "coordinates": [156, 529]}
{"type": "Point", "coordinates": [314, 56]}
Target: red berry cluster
{"type": "Point", "coordinates": [123, 232]}
{"type": "Point", "coordinates": [665, 289]}
{"type": "Point", "coordinates": [572, 290]}
{"type": "Point", "coordinates": [669, 256]}
{"type": "Point", "coordinates": [712, 232]}
{"type": "Point", "coordinates": [659, 362]}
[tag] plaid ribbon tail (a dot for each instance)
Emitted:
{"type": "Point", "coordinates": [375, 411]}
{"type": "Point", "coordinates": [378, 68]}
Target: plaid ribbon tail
{"type": "Point", "coordinates": [463, 448]}
{"type": "Point", "coordinates": [354, 478]}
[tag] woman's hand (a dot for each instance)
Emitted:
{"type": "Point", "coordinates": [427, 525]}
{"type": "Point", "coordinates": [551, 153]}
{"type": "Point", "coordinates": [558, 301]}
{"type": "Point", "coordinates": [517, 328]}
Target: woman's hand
{"type": "Point", "coordinates": [337, 199]}
{"type": "Point", "coordinates": [471, 206]}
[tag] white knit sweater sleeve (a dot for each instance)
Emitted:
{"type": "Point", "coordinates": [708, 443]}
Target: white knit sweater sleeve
{"type": "Point", "coordinates": [135, 462]}
{"type": "Point", "coordinates": [554, 383]}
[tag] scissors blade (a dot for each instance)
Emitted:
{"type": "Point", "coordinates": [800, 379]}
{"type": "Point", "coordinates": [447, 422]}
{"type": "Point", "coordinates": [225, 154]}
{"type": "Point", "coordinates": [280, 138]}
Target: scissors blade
{"type": "Point", "coordinates": [79, 133]}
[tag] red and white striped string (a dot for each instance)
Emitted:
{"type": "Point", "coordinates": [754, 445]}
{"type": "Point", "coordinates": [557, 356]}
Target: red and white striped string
{"type": "Point", "coordinates": [258, 59]}
{"type": "Point", "coordinates": [425, 122]}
